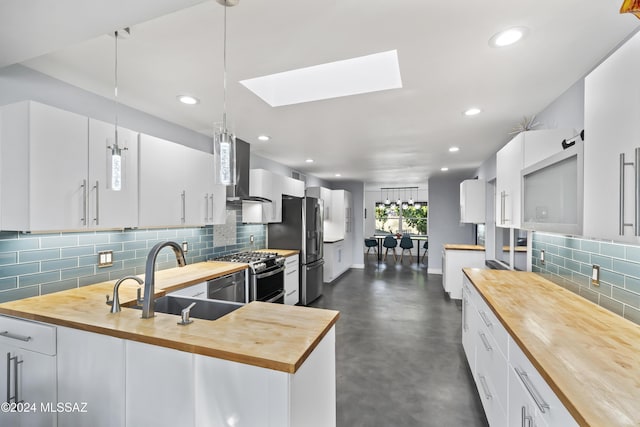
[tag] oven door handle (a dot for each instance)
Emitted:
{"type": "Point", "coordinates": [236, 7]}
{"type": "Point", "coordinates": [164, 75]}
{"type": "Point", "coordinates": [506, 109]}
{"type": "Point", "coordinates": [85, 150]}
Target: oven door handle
{"type": "Point", "coordinates": [277, 297]}
{"type": "Point", "coordinates": [269, 273]}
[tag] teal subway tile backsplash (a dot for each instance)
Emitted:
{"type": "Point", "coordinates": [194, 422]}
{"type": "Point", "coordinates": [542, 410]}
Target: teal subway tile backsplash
{"type": "Point", "coordinates": [36, 264]}
{"type": "Point", "coordinates": [619, 289]}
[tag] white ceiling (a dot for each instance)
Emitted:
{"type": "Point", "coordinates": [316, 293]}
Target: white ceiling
{"type": "Point", "coordinates": [398, 136]}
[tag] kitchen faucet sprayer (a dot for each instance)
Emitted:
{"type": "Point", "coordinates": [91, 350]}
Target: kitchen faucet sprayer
{"type": "Point", "coordinates": [149, 275]}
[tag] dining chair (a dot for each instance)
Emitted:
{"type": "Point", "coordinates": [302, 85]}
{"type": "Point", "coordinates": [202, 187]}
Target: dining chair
{"type": "Point", "coordinates": [371, 243]}
{"type": "Point", "coordinates": [425, 246]}
{"type": "Point", "coordinates": [390, 242]}
{"type": "Point", "coordinates": [406, 244]}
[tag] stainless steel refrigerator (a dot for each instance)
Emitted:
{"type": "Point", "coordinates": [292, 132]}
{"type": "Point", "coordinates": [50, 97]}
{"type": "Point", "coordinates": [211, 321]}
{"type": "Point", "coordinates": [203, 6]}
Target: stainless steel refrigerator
{"type": "Point", "coordinates": [301, 229]}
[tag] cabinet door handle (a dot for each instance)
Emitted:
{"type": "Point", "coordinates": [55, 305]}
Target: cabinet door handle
{"type": "Point", "coordinates": [15, 336]}
{"type": "Point", "coordinates": [84, 202]}
{"type": "Point", "coordinates": [526, 419]}
{"type": "Point", "coordinates": [637, 192]}
{"type": "Point", "coordinates": [183, 195]}
{"type": "Point", "coordinates": [621, 196]}
{"type": "Point", "coordinates": [485, 319]}
{"type": "Point", "coordinates": [485, 387]}
{"type": "Point", "coordinates": [542, 405]}
{"type": "Point", "coordinates": [16, 362]}
{"type": "Point", "coordinates": [211, 198]}
{"type": "Point", "coordinates": [97, 188]}
{"type": "Point", "coordinates": [206, 207]}
{"type": "Point", "coordinates": [465, 304]}
{"type": "Point", "coordinates": [483, 337]}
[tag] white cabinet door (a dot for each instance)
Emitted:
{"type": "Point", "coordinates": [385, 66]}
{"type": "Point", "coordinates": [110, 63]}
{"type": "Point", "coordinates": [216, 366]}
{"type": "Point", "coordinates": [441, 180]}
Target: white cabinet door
{"type": "Point", "coordinates": [44, 168]}
{"type": "Point", "coordinates": [291, 280]}
{"type": "Point", "coordinates": [109, 208]}
{"type": "Point", "coordinates": [91, 369]}
{"type": "Point", "coordinates": [509, 160]}
{"type": "Point", "coordinates": [469, 328]}
{"type": "Point", "coordinates": [162, 185]}
{"type": "Point", "coordinates": [472, 201]}
{"type": "Point", "coordinates": [199, 186]}
{"type": "Point", "coordinates": [293, 187]}
{"type": "Point", "coordinates": [611, 130]}
{"type": "Point", "coordinates": [159, 386]}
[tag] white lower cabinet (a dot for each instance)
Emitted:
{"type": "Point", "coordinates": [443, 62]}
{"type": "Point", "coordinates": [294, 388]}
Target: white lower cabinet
{"type": "Point", "coordinates": [512, 391]}
{"type": "Point", "coordinates": [292, 280]}
{"type": "Point", "coordinates": [91, 370]}
{"type": "Point", "coordinates": [28, 350]}
{"type": "Point", "coordinates": [453, 261]}
{"type": "Point", "coordinates": [159, 386]}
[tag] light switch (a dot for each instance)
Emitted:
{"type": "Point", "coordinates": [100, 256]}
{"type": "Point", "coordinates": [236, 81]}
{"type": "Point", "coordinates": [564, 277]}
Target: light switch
{"type": "Point", "coordinates": [542, 257]}
{"type": "Point", "coordinates": [595, 275]}
{"type": "Point", "coordinates": [185, 247]}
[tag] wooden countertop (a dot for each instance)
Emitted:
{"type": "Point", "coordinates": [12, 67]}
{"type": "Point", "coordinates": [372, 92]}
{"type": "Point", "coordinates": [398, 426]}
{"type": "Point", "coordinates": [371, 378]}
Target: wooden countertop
{"type": "Point", "coordinates": [589, 356]}
{"type": "Point", "coordinates": [463, 247]}
{"type": "Point", "coordinates": [273, 336]}
{"type": "Point", "coordinates": [281, 252]}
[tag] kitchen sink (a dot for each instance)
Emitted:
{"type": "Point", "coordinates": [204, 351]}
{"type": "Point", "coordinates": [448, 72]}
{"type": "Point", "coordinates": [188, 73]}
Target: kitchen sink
{"type": "Point", "coordinates": [206, 309]}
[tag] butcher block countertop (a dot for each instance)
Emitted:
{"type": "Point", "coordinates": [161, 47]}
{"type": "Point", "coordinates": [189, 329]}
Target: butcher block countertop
{"type": "Point", "coordinates": [281, 252]}
{"type": "Point", "coordinates": [273, 336]}
{"type": "Point", "coordinates": [589, 356]}
{"type": "Point", "coordinates": [463, 247]}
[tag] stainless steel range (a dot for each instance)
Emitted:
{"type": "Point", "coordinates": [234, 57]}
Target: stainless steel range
{"type": "Point", "coordinates": [266, 274]}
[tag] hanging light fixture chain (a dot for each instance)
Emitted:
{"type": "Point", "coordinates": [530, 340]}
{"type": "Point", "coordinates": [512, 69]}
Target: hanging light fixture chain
{"type": "Point", "coordinates": [224, 74]}
{"type": "Point", "coordinates": [115, 91]}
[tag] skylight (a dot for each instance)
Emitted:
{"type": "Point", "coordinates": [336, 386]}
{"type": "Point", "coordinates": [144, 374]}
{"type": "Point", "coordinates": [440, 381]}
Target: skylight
{"type": "Point", "coordinates": [370, 73]}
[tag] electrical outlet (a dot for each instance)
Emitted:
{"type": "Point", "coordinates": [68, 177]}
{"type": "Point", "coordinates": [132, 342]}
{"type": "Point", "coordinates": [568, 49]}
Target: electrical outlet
{"type": "Point", "coordinates": [185, 247]}
{"type": "Point", "coordinates": [595, 275]}
{"type": "Point", "coordinates": [542, 257]}
{"type": "Point", "coordinates": [105, 259]}
{"type": "Point", "coordinates": [251, 239]}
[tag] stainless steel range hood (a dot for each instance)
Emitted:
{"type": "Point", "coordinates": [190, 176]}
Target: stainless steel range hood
{"type": "Point", "coordinates": [238, 193]}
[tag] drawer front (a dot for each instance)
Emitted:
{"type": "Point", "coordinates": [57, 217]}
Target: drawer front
{"type": "Point", "coordinates": [496, 415]}
{"type": "Point", "coordinates": [494, 327]}
{"type": "Point", "coordinates": [491, 362]}
{"type": "Point", "coordinates": [292, 260]}
{"type": "Point", "coordinates": [548, 406]}
{"type": "Point", "coordinates": [28, 335]}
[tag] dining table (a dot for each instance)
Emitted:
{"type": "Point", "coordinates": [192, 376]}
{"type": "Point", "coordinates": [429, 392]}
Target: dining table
{"type": "Point", "coordinates": [413, 237]}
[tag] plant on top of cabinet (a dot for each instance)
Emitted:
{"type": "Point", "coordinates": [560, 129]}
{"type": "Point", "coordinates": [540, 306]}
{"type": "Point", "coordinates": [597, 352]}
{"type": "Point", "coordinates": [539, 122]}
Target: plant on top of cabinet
{"type": "Point", "coordinates": [55, 175]}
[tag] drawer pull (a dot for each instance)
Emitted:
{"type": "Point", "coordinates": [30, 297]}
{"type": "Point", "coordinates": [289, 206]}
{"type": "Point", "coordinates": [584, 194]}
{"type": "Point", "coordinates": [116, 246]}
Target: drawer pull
{"type": "Point", "coordinates": [291, 272]}
{"type": "Point", "coordinates": [198, 294]}
{"type": "Point", "coordinates": [542, 405]}
{"type": "Point", "coordinates": [292, 292]}
{"type": "Point", "coordinates": [485, 319]}
{"type": "Point", "coordinates": [485, 387]}
{"type": "Point", "coordinates": [483, 337]}
{"type": "Point", "coordinates": [527, 420]}
{"type": "Point", "coordinates": [15, 336]}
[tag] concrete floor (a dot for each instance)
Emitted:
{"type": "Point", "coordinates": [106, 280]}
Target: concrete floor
{"type": "Point", "coordinates": [399, 357]}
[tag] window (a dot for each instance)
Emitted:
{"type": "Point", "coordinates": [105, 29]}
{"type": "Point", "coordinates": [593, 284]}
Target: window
{"type": "Point", "coordinates": [399, 219]}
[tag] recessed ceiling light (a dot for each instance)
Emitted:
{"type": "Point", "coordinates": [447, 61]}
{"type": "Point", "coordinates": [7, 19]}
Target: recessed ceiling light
{"type": "Point", "coordinates": [264, 138]}
{"type": "Point", "coordinates": [454, 149]}
{"type": "Point", "coordinates": [507, 37]}
{"type": "Point", "coordinates": [309, 160]}
{"type": "Point", "coordinates": [444, 169]}
{"type": "Point", "coordinates": [472, 111]}
{"type": "Point", "coordinates": [338, 174]}
{"type": "Point", "coordinates": [188, 99]}
{"type": "Point", "coordinates": [330, 80]}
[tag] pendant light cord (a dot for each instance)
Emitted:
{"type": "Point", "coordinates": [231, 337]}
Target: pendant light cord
{"type": "Point", "coordinates": [115, 91]}
{"type": "Point", "coordinates": [224, 76]}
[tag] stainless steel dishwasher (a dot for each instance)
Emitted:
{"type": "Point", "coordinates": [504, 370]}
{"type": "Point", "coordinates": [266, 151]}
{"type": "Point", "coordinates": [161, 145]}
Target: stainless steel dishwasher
{"type": "Point", "coordinates": [231, 287]}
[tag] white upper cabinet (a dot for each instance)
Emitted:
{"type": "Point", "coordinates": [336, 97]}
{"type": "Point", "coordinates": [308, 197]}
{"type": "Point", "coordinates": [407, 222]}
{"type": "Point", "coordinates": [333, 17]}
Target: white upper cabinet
{"type": "Point", "coordinates": [472, 201]}
{"type": "Point", "coordinates": [176, 185]}
{"type": "Point", "coordinates": [612, 138]}
{"type": "Point", "coordinates": [292, 187]}
{"type": "Point", "coordinates": [524, 150]}
{"type": "Point", "coordinates": [55, 173]}
{"type": "Point", "coordinates": [266, 184]}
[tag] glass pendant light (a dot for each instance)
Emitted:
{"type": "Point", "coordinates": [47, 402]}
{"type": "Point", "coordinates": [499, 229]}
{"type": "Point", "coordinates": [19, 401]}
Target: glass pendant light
{"type": "Point", "coordinates": [380, 203]}
{"type": "Point", "coordinates": [116, 150]}
{"type": "Point", "coordinates": [411, 197]}
{"type": "Point", "coordinates": [224, 141]}
{"type": "Point", "coordinates": [387, 201]}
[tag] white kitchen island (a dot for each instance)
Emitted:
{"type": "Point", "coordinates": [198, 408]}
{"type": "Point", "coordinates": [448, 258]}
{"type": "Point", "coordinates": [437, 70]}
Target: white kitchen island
{"type": "Point", "coordinates": [261, 365]}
